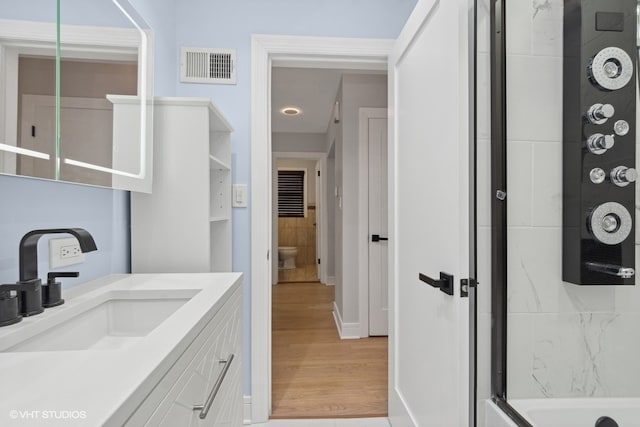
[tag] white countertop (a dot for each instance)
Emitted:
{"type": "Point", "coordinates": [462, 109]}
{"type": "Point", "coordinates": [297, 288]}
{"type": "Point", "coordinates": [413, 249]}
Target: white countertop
{"type": "Point", "coordinates": [102, 387]}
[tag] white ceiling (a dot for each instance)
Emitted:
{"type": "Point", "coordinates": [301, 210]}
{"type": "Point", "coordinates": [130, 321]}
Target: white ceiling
{"type": "Point", "coordinates": [312, 90]}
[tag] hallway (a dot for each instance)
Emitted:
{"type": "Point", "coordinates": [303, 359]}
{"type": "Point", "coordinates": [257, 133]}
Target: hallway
{"type": "Point", "coordinates": [315, 374]}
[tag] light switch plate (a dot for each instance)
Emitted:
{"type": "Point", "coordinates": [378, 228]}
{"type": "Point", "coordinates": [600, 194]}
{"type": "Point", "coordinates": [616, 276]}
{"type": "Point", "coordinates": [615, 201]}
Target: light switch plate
{"type": "Point", "coordinates": [239, 196]}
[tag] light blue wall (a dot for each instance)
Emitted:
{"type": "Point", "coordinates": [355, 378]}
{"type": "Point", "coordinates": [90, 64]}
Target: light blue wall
{"type": "Point", "coordinates": [29, 204]}
{"type": "Point", "coordinates": [28, 10]}
{"type": "Point", "coordinates": [229, 24]}
{"type": "Point", "coordinates": [161, 18]}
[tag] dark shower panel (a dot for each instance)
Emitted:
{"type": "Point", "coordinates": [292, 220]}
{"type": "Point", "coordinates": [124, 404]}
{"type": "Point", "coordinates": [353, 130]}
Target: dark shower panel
{"type": "Point", "coordinates": [599, 137]}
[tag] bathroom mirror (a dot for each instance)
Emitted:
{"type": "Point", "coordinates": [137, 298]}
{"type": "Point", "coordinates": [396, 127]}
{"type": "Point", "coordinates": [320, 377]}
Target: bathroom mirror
{"type": "Point", "coordinates": [76, 84]}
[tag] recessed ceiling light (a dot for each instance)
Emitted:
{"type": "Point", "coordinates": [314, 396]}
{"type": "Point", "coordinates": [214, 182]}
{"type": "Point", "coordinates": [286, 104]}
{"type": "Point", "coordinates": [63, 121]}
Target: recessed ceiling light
{"type": "Point", "coordinates": [290, 111]}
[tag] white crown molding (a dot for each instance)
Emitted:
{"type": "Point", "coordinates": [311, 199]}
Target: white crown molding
{"type": "Point", "coordinates": [13, 32]}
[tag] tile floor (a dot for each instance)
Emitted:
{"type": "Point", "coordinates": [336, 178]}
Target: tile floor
{"type": "Point", "coordinates": [342, 422]}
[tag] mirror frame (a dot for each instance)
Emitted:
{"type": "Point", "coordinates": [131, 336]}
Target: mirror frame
{"type": "Point", "coordinates": [81, 42]}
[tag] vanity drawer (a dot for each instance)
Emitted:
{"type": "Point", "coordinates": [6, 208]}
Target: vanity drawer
{"type": "Point", "coordinates": [192, 377]}
{"type": "Point", "coordinates": [196, 391]}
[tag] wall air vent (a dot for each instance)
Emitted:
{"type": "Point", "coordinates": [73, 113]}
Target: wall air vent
{"type": "Point", "coordinates": [214, 66]}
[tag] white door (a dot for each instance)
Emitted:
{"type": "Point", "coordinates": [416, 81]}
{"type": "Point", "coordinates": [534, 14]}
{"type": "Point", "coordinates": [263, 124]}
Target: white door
{"type": "Point", "coordinates": [429, 72]}
{"type": "Point", "coordinates": [318, 221]}
{"type": "Point", "coordinates": [81, 120]}
{"type": "Point", "coordinates": [373, 122]}
{"type": "Point", "coordinates": [37, 132]}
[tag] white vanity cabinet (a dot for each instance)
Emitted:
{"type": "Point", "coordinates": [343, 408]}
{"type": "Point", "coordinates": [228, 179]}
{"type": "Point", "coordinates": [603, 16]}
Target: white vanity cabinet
{"type": "Point", "coordinates": [130, 350]}
{"type": "Point", "coordinates": [185, 224]}
{"type": "Point", "coordinates": [191, 380]}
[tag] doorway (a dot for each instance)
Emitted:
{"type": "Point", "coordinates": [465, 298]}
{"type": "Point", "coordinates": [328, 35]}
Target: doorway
{"type": "Point", "coordinates": [308, 316]}
{"type": "Point", "coordinates": [268, 50]}
{"type": "Point", "coordinates": [297, 215]}
{"type": "Point", "coordinates": [444, 314]}
{"type": "Point", "coordinates": [374, 171]}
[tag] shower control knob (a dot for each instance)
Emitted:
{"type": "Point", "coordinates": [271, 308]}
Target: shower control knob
{"type": "Point", "coordinates": [621, 127]}
{"type": "Point", "coordinates": [611, 69]}
{"type": "Point", "coordinates": [599, 113]}
{"type": "Point", "coordinates": [599, 143]}
{"type": "Point", "coordinates": [623, 176]}
{"type": "Point", "coordinates": [597, 175]}
{"type": "Point", "coordinates": [610, 223]}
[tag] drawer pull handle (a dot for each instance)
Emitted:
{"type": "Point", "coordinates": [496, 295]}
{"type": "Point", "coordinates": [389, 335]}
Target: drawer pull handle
{"type": "Point", "coordinates": [204, 409]}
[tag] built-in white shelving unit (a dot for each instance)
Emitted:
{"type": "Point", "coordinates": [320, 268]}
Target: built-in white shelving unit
{"type": "Point", "coordinates": [185, 224]}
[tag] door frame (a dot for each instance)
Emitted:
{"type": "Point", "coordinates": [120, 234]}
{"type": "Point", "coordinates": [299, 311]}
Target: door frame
{"type": "Point", "coordinates": [290, 51]}
{"type": "Point", "coordinates": [363, 208]}
{"type": "Point", "coordinates": [321, 216]}
{"type": "Point", "coordinates": [321, 213]}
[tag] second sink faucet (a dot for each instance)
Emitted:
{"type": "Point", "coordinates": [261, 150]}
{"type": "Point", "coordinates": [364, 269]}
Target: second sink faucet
{"type": "Point", "coordinates": [30, 299]}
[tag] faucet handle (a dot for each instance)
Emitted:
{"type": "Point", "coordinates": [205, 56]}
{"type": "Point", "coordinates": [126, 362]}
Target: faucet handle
{"type": "Point", "coordinates": [9, 307]}
{"type": "Point", "coordinates": [28, 285]}
{"type": "Point", "coordinates": [51, 276]}
{"type": "Point", "coordinates": [5, 290]}
{"type": "Point", "coordinates": [52, 291]}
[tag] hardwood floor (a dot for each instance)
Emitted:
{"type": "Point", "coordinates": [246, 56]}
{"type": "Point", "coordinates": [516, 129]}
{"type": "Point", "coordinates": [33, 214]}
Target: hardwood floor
{"type": "Point", "coordinates": [315, 374]}
{"type": "Point", "coordinates": [305, 273]}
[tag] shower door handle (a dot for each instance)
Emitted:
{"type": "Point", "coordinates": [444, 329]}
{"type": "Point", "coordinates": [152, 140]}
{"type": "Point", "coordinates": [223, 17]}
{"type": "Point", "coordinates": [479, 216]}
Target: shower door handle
{"type": "Point", "coordinates": [377, 238]}
{"type": "Point", "coordinates": [445, 283]}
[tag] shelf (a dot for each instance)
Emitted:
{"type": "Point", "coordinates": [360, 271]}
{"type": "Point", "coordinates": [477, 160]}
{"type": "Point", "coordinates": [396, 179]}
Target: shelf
{"type": "Point", "coordinates": [216, 163]}
{"type": "Point", "coordinates": [190, 179]}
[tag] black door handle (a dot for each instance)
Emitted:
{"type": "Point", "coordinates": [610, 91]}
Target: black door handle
{"type": "Point", "coordinates": [445, 283]}
{"type": "Point", "coordinates": [377, 238]}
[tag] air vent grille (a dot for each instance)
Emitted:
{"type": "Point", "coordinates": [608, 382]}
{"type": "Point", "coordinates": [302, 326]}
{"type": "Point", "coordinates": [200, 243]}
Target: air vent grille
{"type": "Point", "coordinates": [215, 66]}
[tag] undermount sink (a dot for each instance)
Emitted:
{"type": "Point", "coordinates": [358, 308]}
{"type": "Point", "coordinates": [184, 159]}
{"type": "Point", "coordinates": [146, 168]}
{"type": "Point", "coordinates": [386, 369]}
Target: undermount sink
{"type": "Point", "coordinates": [109, 321]}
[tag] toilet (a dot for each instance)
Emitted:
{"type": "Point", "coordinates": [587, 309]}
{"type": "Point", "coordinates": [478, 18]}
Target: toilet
{"type": "Point", "coordinates": [287, 256]}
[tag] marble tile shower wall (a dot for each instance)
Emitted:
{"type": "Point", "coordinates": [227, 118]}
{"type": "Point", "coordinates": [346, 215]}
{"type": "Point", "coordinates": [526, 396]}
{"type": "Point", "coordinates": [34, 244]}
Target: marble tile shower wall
{"type": "Point", "coordinates": [563, 340]}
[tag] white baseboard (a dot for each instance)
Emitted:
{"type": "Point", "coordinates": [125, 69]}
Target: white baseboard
{"type": "Point", "coordinates": [247, 410]}
{"type": "Point", "coordinates": [347, 331]}
{"type": "Point", "coordinates": [331, 281]}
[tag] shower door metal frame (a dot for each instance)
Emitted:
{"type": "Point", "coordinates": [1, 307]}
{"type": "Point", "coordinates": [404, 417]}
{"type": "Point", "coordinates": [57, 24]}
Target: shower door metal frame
{"type": "Point", "coordinates": [498, 59]}
{"type": "Point", "coordinates": [498, 90]}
